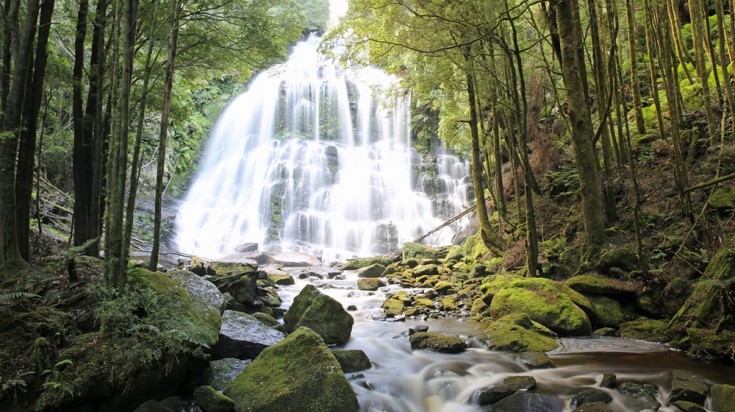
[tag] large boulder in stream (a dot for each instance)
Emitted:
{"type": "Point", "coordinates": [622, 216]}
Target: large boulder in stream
{"type": "Point", "coordinates": [550, 303]}
{"type": "Point", "coordinates": [298, 374]}
{"type": "Point", "coordinates": [320, 313]}
{"type": "Point", "coordinates": [518, 333]}
{"type": "Point", "coordinates": [437, 342]}
{"type": "Point", "coordinates": [244, 336]}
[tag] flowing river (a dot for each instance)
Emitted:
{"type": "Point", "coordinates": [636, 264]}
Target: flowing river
{"type": "Point", "coordinates": [402, 380]}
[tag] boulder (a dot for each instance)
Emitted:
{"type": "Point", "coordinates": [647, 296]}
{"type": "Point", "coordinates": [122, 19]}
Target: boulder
{"type": "Point", "coordinates": [258, 258]}
{"type": "Point", "coordinates": [419, 252]}
{"type": "Point", "coordinates": [281, 279]}
{"type": "Point", "coordinates": [455, 252]}
{"type": "Point", "coordinates": [437, 342]}
{"type": "Point", "coordinates": [545, 301]}
{"type": "Point", "coordinates": [243, 336]}
{"type": "Point", "coordinates": [536, 360]}
{"type": "Point", "coordinates": [606, 311]}
{"type": "Point", "coordinates": [203, 292]}
{"type": "Point", "coordinates": [645, 395]}
{"type": "Point", "coordinates": [723, 199]}
{"type": "Point", "coordinates": [425, 270]}
{"type": "Point", "coordinates": [492, 394]}
{"type": "Point", "coordinates": [352, 360]}
{"type": "Point", "coordinates": [247, 247]}
{"type": "Point", "coordinates": [221, 372]}
{"type": "Point", "coordinates": [589, 395]}
{"type": "Point", "coordinates": [520, 383]}
{"type": "Point", "coordinates": [529, 402]}
{"type": "Point", "coordinates": [594, 284]}
{"type": "Point", "coordinates": [354, 264]}
{"type": "Point", "coordinates": [722, 398]}
{"type": "Point", "coordinates": [689, 406]}
{"type": "Point", "coordinates": [518, 333]}
{"type": "Point", "coordinates": [211, 400]}
{"type": "Point", "coordinates": [297, 374]}
{"type": "Point", "coordinates": [593, 407]}
{"type": "Point", "coordinates": [373, 271]}
{"type": "Point", "coordinates": [321, 313]}
{"type": "Point", "coordinates": [370, 284]}
{"type": "Point", "coordinates": [622, 258]}
{"type": "Point", "coordinates": [652, 330]}
{"type": "Point", "coordinates": [686, 386]}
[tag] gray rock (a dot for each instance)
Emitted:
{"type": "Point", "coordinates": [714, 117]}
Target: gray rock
{"type": "Point", "coordinates": [537, 360]}
{"type": "Point", "coordinates": [247, 247]}
{"type": "Point", "coordinates": [520, 383]}
{"type": "Point", "coordinates": [529, 402]}
{"type": "Point", "coordinates": [210, 400]}
{"type": "Point", "coordinates": [589, 395]}
{"type": "Point", "coordinates": [292, 259]}
{"type": "Point", "coordinates": [352, 360]}
{"type": "Point", "coordinates": [593, 407]}
{"type": "Point", "coordinates": [609, 380]}
{"type": "Point", "coordinates": [205, 293]}
{"type": "Point", "coordinates": [437, 342]}
{"type": "Point", "coordinates": [492, 394]}
{"type": "Point", "coordinates": [221, 372]}
{"type": "Point", "coordinates": [243, 336]}
{"type": "Point", "coordinates": [373, 271]}
{"type": "Point", "coordinates": [645, 394]}
{"type": "Point", "coordinates": [686, 386]}
{"type": "Point", "coordinates": [690, 406]}
{"type": "Point", "coordinates": [320, 313]}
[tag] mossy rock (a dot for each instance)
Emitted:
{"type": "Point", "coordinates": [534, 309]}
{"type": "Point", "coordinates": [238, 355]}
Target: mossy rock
{"type": "Point", "coordinates": [545, 301]}
{"type": "Point", "coordinates": [281, 279]}
{"type": "Point", "coordinates": [518, 333]}
{"type": "Point", "coordinates": [622, 258]}
{"type": "Point", "coordinates": [722, 398]}
{"type": "Point", "coordinates": [709, 345]}
{"type": "Point", "coordinates": [594, 284]}
{"type": "Point", "coordinates": [232, 268]}
{"type": "Point", "coordinates": [455, 252]}
{"type": "Point", "coordinates": [425, 302]}
{"type": "Point", "coordinates": [321, 313]}
{"type": "Point", "coordinates": [474, 248]}
{"type": "Point", "coordinates": [373, 271]}
{"type": "Point", "coordinates": [355, 264]}
{"type": "Point", "coordinates": [211, 400]}
{"type": "Point", "coordinates": [437, 342]}
{"type": "Point", "coordinates": [393, 307]}
{"type": "Point", "coordinates": [449, 303]}
{"type": "Point", "coordinates": [370, 284]}
{"type": "Point", "coordinates": [419, 252]}
{"type": "Point", "coordinates": [686, 386]}
{"type": "Point", "coordinates": [651, 330]}
{"type": "Point", "coordinates": [606, 311]}
{"type": "Point", "coordinates": [702, 307]}
{"type": "Point", "coordinates": [425, 270]}
{"type": "Point", "coordinates": [443, 287]}
{"type": "Point", "coordinates": [723, 199]}
{"type": "Point", "coordinates": [297, 374]}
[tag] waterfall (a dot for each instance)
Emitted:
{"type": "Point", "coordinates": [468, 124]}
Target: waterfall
{"type": "Point", "coordinates": [315, 157]}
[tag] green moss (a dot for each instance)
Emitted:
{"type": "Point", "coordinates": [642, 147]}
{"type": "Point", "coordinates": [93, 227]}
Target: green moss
{"type": "Point", "coordinates": [723, 199]}
{"type": "Point", "coordinates": [355, 264]}
{"type": "Point", "coordinates": [455, 252]}
{"type": "Point", "coordinates": [393, 307]}
{"type": "Point", "coordinates": [369, 283]}
{"type": "Point", "coordinates": [606, 311]}
{"type": "Point", "coordinates": [437, 342]}
{"type": "Point", "coordinates": [418, 251]}
{"type": "Point", "coordinates": [646, 329]}
{"type": "Point", "coordinates": [601, 285]}
{"type": "Point", "coordinates": [321, 313]}
{"type": "Point", "coordinates": [299, 373]}
{"type": "Point", "coordinates": [211, 400]}
{"type": "Point", "coordinates": [518, 333]}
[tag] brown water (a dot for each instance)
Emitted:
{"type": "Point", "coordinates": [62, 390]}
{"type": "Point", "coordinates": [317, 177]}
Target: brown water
{"type": "Point", "coordinates": [402, 380]}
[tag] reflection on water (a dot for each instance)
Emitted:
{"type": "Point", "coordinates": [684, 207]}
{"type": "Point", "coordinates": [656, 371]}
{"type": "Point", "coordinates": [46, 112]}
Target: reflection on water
{"type": "Point", "coordinates": [402, 380]}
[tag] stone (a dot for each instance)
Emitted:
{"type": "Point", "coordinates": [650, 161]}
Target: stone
{"type": "Point", "coordinates": [354, 264]}
{"type": "Point", "coordinates": [370, 284]}
{"type": "Point", "coordinates": [492, 394]}
{"type": "Point", "coordinates": [352, 360]}
{"type": "Point", "coordinates": [609, 380]}
{"type": "Point", "coordinates": [652, 330]}
{"type": "Point", "coordinates": [247, 247]}
{"type": "Point", "coordinates": [689, 406]}
{"type": "Point", "coordinates": [281, 279]}
{"type": "Point", "coordinates": [723, 398]}
{"type": "Point", "coordinates": [373, 271]}
{"type": "Point", "coordinates": [437, 342]}
{"type": "Point", "coordinates": [393, 307]}
{"type": "Point", "coordinates": [235, 266]}
{"type": "Point", "coordinates": [443, 287]}
{"type": "Point", "coordinates": [623, 258]}
{"type": "Point", "coordinates": [589, 395]}
{"type": "Point", "coordinates": [418, 251]}
{"type": "Point", "coordinates": [321, 313]}
{"type": "Point", "coordinates": [529, 402]}
{"type": "Point", "coordinates": [455, 252]}
{"type": "Point", "coordinates": [259, 258]}
{"type": "Point", "coordinates": [297, 374]}
{"type": "Point", "coordinates": [606, 311]}
{"type": "Point", "coordinates": [243, 336]}
{"type": "Point", "coordinates": [520, 383]}
{"type": "Point", "coordinates": [723, 199]}
{"type": "Point", "coordinates": [518, 333]}
{"type": "Point", "coordinates": [204, 293]}
{"type": "Point", "coordinates": [418, 328]}
{"type": "Point", "coordinates": [644, 394]}
{"type": "Point", "coordinates": [594, 284]}
{"type": "Point", "coordinates": [425, 270]}
{"type": "Point", "coordinates": [686, 386]}
{"type": "Point", "coordinates": [536, 360]}
{"type": "Point", "coordinates": [593, 407]}
{"type": "Point", "coordinates": [221, 372]}
{"type": "Point", "coordinates": [152, 406]}
{"type": "Point", "coordinates": [550, 303]}
{"type": "Point", "coordinates": [604, 332]}
{"type": "Point", "coordinates": [210, 400]}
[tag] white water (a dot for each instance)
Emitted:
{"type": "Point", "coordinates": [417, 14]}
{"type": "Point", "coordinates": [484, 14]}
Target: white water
{"type": "Point", "coordinates": [314, 157]}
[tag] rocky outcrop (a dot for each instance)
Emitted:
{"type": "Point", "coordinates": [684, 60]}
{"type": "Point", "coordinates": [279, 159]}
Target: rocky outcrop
{"type": "Point", "coordinates": [243, 336]}
{"type": "Point", "coordinates": [298, 374]}
{"type": "Point", "coordinates": [320, 313]}
{"type": "Point", "coordinates": [518, 333]}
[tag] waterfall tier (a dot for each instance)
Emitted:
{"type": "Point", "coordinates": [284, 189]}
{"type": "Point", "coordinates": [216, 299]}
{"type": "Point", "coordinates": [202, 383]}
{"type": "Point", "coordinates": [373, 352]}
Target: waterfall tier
{"type": "Point", "coordinates": [317, 158]}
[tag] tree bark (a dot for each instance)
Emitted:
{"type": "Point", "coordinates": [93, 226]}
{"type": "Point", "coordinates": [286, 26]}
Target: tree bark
{"type": "Point", "coordinates": [568, 23]}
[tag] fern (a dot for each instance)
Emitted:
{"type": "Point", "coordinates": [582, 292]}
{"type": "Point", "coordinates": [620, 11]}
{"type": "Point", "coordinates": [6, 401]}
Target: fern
{"type": "Point", "coordinates": [15, 296]}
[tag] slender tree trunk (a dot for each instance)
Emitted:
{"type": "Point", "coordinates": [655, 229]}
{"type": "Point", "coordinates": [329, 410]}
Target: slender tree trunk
{"type": "Point", "coordinates": [167, 86]}
{"type": "Point", "coordinates": [27, 144]}
{"type": "Point", "coordinates": [100, 129]}
{"type": "Point", "coordinates": [633, 49]}
{"type": "Point", "coordinates": [698, 38]}
{"type": "Point", "coordinates": [568, 24]}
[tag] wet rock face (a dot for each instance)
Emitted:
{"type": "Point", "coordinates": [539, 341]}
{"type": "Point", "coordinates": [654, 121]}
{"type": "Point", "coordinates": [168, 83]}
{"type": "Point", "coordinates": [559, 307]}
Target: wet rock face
{"type": "Point", "coordinates": [437, 342]}
{"type": "Point", "coordinates": [298, 374]}
{"type": "Point", "coordinates": [518, 333]}
{"type": "Point", "coordinates": [243, 336]}
{"type": "Point", "coordinates": [688, 387]}
{"type": "Point", "coordinates": [352, 360]}
{"type": "Point", "coordinates": [320, 313]}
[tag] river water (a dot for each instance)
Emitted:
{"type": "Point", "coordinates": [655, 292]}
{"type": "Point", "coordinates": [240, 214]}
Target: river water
{"type": "Point", "coordinates": [405, 380]}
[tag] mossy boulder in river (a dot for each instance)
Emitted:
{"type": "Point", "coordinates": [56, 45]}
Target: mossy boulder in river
{"type": "Point", "coordinates": [420, 252]}
{"type": "Point", "coordinates": [437, 342]}
{"type": "Point", "coordinates": [298, 374]}
{"type": "Point", "coordinates": [518, 333]}
{"type": "Point", "coordinates": [321, 313]}
{"type": "Point", "coordinates": [545, 301]}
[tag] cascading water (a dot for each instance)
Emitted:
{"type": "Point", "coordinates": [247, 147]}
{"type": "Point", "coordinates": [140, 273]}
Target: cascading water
{"type": "Point", "coordinates": [310, 159]}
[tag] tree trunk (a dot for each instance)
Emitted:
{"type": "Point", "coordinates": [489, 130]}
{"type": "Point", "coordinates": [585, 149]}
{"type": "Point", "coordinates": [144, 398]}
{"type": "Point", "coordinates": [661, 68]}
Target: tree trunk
{"type": "Point", "coordinates": [160, 172]}
{"type": "Point", "coordinates": [633, 49]}
{"type": "Point", "coordinates": [582, 132]}
{"type": "Point", "coordinates": [29, 128]}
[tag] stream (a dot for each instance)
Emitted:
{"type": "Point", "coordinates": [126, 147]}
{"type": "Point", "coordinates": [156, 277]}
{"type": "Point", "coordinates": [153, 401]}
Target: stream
{"type": "Point", "coordinates": [402, 380]}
